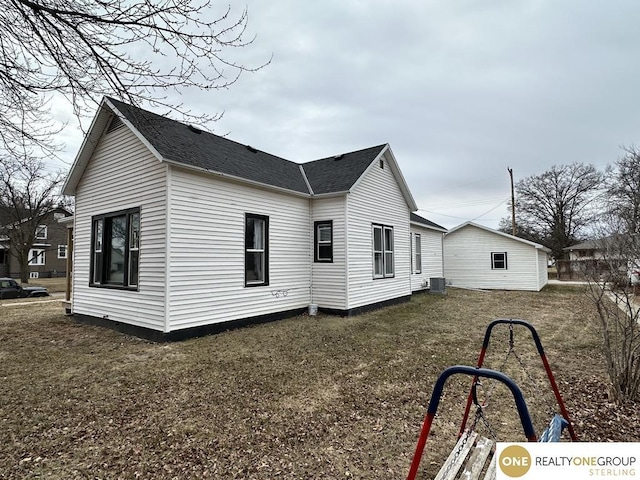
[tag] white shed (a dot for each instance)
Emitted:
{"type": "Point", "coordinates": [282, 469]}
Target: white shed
{"type": "Point", "coordinates": [476, 256]}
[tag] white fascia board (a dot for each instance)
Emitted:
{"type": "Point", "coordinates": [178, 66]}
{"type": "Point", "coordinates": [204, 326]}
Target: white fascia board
{"type": "Point", "coordinates": [101, 120]}
{"type": "Point", "coordinates": [393, 164]}
{"type": "Point", "coordinates": [497, 232]}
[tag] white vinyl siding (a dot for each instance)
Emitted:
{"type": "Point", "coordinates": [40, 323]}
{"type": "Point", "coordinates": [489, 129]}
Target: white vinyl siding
{"type": "Point", "coordinates": [432, 257]}
{"type": "Point", "coordinates": [468, 261]}
{"type": "Point", "coordinates": [329, 279]}
{"type": "Point", "coordinates": [377, 199]}
{"type": "Point", "coordinates": [207, 251]}
{"type": "Point", "coordinates": [122, 174]}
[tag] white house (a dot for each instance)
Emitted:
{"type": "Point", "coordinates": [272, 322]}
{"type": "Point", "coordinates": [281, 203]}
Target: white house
{"type": "Point", "coordinates": [179, 232]}
{"type": "Point", "coordinates": [426, 252]}
{"type": "Point", "coordinates": [479, 257]}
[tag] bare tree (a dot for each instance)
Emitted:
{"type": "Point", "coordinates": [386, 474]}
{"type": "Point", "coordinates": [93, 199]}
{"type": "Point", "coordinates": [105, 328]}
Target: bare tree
{"type": "Point", "coordinates": [623, 190]}
{"type": "Point", "coordinates": [555, 207]}
{"type": "Point", "coordinates": [617, 312]}
{"type": "Point", "coordinates": [133, 50]}
{"type": "Point", "coordinates": [28, 193]}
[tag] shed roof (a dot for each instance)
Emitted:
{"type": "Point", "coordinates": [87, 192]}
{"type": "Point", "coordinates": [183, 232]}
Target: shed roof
{"type": "Point", "coordinates": [498, 232]}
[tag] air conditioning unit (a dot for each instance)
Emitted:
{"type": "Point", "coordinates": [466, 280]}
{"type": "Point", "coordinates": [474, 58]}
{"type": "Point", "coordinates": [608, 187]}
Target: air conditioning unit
{"type": "Point", "coordinates": [33, 275]}
{"type": "Point", "coordinates": [437, 285]}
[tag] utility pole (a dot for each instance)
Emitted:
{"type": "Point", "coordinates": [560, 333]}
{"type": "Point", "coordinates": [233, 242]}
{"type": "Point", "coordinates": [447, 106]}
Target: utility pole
{"type": "Point", "coordinates": [513, 203]}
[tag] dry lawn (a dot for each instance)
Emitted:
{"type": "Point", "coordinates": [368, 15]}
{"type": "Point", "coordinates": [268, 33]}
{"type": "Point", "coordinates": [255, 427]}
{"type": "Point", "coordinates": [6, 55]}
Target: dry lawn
{"type": "Point", "coordinates": [308, 397]}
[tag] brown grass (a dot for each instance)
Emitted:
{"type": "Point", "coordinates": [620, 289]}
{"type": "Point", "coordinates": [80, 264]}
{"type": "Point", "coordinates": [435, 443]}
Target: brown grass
{"type": "Point", "coordinates": [308, 397]}
{"type": "Point", "coordinates": [52, 284]}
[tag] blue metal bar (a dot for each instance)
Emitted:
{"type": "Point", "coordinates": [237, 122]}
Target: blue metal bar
{"type": "Point", "coordinates": [521, 405]}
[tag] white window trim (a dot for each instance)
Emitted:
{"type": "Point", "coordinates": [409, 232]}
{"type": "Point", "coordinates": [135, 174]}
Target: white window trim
{"type": "Point", "coordinates": [418, 253]}
{"type": "Point", "coordinates": [384, 252]}
{"type": "Point", "coordinates": [43, 229]}
{"type": "Point", "coordinates": [38, 255]}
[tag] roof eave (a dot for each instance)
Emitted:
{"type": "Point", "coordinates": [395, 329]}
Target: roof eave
{"type": "Point", "coordinates": [393, 164]}
{"type": "Point", "coordinates": [429, 227]}
{"type": "Point", "coordinates": [106, 111]}
{"type": "Point", "coordinates": [236, 178]}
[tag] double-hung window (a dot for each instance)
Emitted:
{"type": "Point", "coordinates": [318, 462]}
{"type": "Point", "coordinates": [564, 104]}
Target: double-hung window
{"type": "Point", "coordinates": [41, 232]}
{"type": "Point", "coordinates": [323, 235]}
{"type": "Point", "coordinates": [256, 250]}
{"type": "Point", "coordinates": [62, 251]}
{"type": "Point", "coordinates": [417, 263]}
{"type": "Point", "coordinates": [383, 261]}
{"type": "Point", "coordinates": [498, 260]}
{"type": "Point", "coordinates": [36, 256]}
{"type": "Point", "coordinates": [115, 249]}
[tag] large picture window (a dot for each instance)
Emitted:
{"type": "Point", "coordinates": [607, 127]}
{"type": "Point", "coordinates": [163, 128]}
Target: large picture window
{"type": "Point", "coordinates": [323, 236]}
{"type": "Point", "coordinates": [256, 250]}
{"type": "Point", "coordinates": [115, 248]}
{"type": "Point", "coordinates": [383, 261]}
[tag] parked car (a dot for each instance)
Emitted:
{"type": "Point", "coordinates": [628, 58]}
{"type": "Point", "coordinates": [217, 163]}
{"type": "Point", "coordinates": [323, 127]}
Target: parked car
{"type": "Point", "coordinates": [9, 288]}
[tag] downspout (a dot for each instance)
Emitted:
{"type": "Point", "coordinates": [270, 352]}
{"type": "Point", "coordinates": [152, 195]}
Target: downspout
{"type": "Point", "coordinates": [311, 233]}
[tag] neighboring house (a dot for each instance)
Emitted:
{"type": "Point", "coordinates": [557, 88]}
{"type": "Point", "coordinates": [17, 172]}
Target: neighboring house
{"type": "Point", "coordinates": [589, 250]}
{"type": "Point", "coordinates": [47, 256]}
{"type": "Point", "coordinates": [426, 252]}
{"type": "Point", "coordinates": [179, 232]}
{"type": "Point", "coordinates": [479, 257]}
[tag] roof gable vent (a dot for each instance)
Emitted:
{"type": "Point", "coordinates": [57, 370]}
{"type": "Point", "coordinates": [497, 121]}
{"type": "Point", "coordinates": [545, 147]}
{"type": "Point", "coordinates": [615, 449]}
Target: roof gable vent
{"type": "Point", "coordinates": [116, 123]}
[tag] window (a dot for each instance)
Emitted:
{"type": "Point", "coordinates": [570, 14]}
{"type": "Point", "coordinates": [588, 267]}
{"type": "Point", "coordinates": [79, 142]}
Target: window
{"type": "Point", "coordinates": [383, 262]}
{"type": "Point", "coordinates": [418, 254]}
{"type": "Point", "coordinates": [36, 256]}
{"type": "Point", "coordinates": [62, 251]}
{"type": "Point", "coordinates": [256, 250]}
{"type": "Point", "coordinates": [115, 249]}
{"type": "Point", "coordinates": [498, 260]}
{"type": "Point", "coordinates": [41, 232]}
{"type": "Point", "coordinates": [323, 239]}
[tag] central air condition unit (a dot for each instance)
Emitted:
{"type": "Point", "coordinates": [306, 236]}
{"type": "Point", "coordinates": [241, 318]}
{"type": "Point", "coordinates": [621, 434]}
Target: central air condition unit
{"type": "Point", "coordinates": [437, 285]}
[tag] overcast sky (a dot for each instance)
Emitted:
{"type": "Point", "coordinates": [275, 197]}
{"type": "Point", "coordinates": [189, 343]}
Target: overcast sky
{"type": "Point", "coordinates": [460, 89]}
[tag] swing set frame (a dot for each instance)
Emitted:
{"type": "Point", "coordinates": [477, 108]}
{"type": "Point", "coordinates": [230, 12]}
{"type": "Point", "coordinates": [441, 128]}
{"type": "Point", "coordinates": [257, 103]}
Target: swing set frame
{"type": "Point", "coordinates": [480, 372]}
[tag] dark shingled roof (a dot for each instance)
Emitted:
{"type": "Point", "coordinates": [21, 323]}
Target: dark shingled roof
{"type": "Point", "coordinates": [178, 142]}
{"type": "Point", "coordinates": [417, 218]}
{"type": "Point", "coordinates": [181, 143]}
{"type": "Point", "coordinates": [339, 173]}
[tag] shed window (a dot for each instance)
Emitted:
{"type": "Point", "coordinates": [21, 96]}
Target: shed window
{"type": "Point", "coordinates": [383, 261]}
{"type": "Point", "coordinates": [115, 249]}
{"type": "Point", "coordinates": [323, 239]}
{"type": "Point", "coordinates": [256, 245]}
{"type": "Point", "coordinates": [498, 260]}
